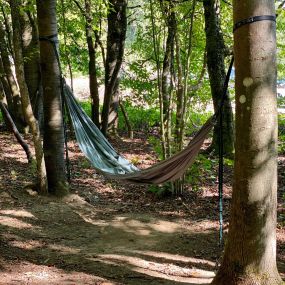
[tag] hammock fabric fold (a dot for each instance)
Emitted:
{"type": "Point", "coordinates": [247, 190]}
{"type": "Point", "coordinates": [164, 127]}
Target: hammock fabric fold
{"type": "Point", "coordinates": [107, 161]}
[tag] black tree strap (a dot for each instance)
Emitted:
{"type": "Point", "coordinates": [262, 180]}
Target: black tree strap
{"type": "Point", "coordinates": [54, 41]}
{"type": "Point", "coordinates": [219, 117]}
{"type": "Point", "coordinates": [254, 19]}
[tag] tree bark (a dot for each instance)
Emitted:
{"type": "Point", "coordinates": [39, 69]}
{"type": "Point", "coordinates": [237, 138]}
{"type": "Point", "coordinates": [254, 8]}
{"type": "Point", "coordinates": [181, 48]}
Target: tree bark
{"type": "Point", "coordinates": [31, 53]}
{"type": "Point", "coordinates": [14, 90]}
{"type": "Point", "coordinates": [216, 69]}
{"type": "Point", "coordinates": [250, 253]}
{"type": "Point", "coordinates": [117, 27]}
{"type": "Point", "coordinates": [93, 82]}
{"type": "Point", "coordinates": [27, 108]}
{"type": "Point", "coordinates": [53, 120]}
{"type": "Point", "coordinates": [30, 50]}
{"type": "Point", "coordinates": [167, 69]}
{"type": "Point", "coordinates": [6, 88]}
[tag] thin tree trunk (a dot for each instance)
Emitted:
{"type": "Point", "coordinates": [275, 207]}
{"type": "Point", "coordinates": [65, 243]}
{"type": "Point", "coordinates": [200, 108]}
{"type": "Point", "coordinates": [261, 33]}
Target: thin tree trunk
{"type": "Point", "coordinates": [127, 120]}
{"type": "Point", "coordinates": [167, 70]}
{"type": "Point", "coordinates": [179, 92]}
{"type": "Point", "coordinates": [6, 88]}
{"type": "Point", "coordinates": [250, 254]}
{"type": "Point", "coordinates": [8, 31]}
{"type": "Point", "coordinates": [51, 81]}
{"type": "Point", "coordinates": [11, 125]}
{"type": "Point", "coordinates": [158, 72]}
{"type": "Point", "coordinates": [30, 51]}
{"type": "Point", "coordinates": [117, 27]}
{"type": "Point", "coordinates": [29, 116]}
{"type": "Point", "coordinates": [67, 55]}
{"type": "Point", "coordinates": [17, 107]}
{"type": "Point", "coordinates": [186, 74]}
{"type": "Point", "coordinates": [216, 68]}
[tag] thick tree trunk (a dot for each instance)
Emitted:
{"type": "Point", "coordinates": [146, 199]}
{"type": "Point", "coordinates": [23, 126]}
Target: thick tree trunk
{"type": "Point", "coordinates": [53, 121]}
{"type": "Point", "coordinates": [216, 68]}
{"type": "Point", "coordinates": [27, 108]}
{"type": "Point", "coordinates": [93, 82]}
{"type": "Point", "coordinates": [117, 27]}
{"type": "Point", "coordinates": [250, 254]}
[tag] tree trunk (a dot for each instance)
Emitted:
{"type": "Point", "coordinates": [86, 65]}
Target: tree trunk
{"type": "Point", "coordinates": [11, 125]}
{"type": "Point", "coordinates": [30, 51]}
{"type": "Point", "coordinates": [17, 107]}
{"type": "Point", "coordinates": [117, 27]}
{"type": "Point", "coordinates": [167, 69]}
{"type": "Point", "coordinates": [53, 121]}
{"type": "Point", "coordinates": [6, 88]}
{"type": "Point", "coordinates": [250, 254]}
{"type": "Point", "coordinates": [31, 55]}
{"type": "Point", "coordinates": [127, 120]}
{"type": "Point", "coordinates": [156, 51]}
{"type": "Point", "coordinates": [216, 69]}
{"type": "Point", "coordinates": [93, 82]}
{"type": "Point", "coordinates": [27, 108]}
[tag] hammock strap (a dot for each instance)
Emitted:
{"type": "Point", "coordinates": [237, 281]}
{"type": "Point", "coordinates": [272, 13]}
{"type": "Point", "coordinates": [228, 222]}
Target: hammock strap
{"type": "Point", "coordinates": [54, 41]}
{"type": "Point", "coordinates": [253, 19]}
{"type": "Point", "coordinates": [219, 116]}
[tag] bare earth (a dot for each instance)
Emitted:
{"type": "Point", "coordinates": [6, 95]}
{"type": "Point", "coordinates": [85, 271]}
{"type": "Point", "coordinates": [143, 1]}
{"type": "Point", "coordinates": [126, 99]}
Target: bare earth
{"type": "Point", "coordinates": [105, 232]}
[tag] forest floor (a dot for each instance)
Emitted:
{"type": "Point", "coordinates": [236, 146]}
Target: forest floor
{"type": "Point", "coordinates": [107, 232]}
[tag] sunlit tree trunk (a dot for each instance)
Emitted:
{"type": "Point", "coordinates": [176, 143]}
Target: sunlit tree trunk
{"type": "Point", "coordinates": [53, 121]}
{"type": "Point", "coordinates": [156, 51]}
{"type": "Point", "coordinates": [31, 53]}
{"type": "Point", "coordinates": [27, 108]}
{"type": "Point", "coordinates": [216, 69]}
{"type": "Point", "coordinates": [168, 69]}
{"type": "Point", "coordinates": [117, 27]}
{"type": "Point", "coordinates": [30, 50]}
{"type": "Point", "coordinates": [250, 253]}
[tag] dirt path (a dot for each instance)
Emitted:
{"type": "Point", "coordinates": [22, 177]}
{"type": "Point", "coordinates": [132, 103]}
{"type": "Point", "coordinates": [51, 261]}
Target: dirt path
{"type": "Point", "coordinates": [104, 232]}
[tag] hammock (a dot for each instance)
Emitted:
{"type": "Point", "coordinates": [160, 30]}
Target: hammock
{"type": "Point", "coordinates": [107, 161]}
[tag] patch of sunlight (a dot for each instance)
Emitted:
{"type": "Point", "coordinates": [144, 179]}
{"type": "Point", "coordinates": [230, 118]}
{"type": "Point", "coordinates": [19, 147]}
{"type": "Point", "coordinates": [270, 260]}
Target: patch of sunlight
{"type": "Point", "coordinates": [64, 249]}
{"type": "Point", "coordinates": [11, 155]}
{"type": "Point", "coordinates": [165, 226]}
{"type": "Point", "coordinates": [187, 280]}
{"type": "Point", "coordinates": [42, 275]}
{"type": "Point", "coordinates": [28, 244]}
{"type": "Point", "coordinates": [134, 226]}
{"type": "Point", "coordinates": [74, 199]}
{"type": "Point", "coordinates": [173, 257]}
{"type": "Point", "coordinates": [143, 228]}
{"type": "Point", "coordinates": [18, 213]}
{"type": "Point", "coordinates": [161, 270]}
{"type": "Point", "coordinates": [90, 220]}
{"type": "Point", "coordinates": [29, 273]}
{"type": "Point", "coordinates": [131, 226]}
{"type": "Point", "coordinates": [14, 223]}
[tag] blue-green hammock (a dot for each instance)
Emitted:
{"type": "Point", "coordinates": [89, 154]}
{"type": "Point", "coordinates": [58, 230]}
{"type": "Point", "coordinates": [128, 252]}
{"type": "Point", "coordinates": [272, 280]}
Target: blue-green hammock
{"type": "Point", "coordinates": [106, 160]}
